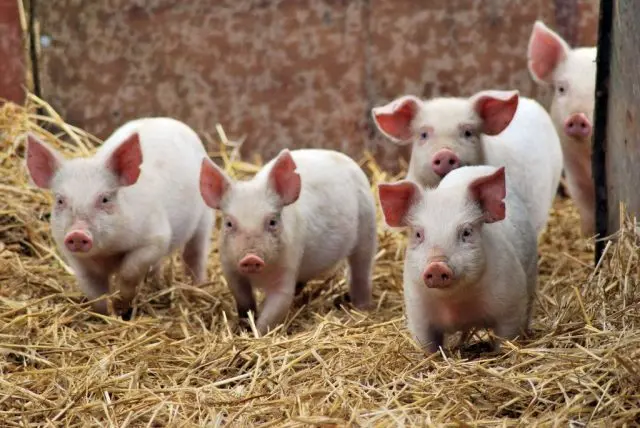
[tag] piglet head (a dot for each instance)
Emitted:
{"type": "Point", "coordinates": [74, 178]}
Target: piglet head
{"type": "Point", "coordinates": [572, 74]}
{"type": "Point", "coordinates": [253, 234]}
{"type": "Point", "coordinates": [86, 218]}
{"type": "Point", "coordinates": [446, 132]}
{"type": "Point", "coordinates": [445, 250]}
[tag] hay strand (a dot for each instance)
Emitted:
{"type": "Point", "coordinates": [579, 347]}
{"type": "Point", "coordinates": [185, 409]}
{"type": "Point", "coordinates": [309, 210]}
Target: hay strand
{"type": "Point", "coordinates": [183, 361]}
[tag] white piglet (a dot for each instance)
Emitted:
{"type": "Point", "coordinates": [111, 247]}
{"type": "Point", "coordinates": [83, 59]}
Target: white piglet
{"type": "Point", "coordinates": [489, 128]}
{"type": "Point", "coordinates": [471, 260]}
{"type": "Point", "coordinates": [124, 209]}
{"type": "Point", "coordinates": [572, 74]}
{"type": "Point", "coordinates": [305, 211]}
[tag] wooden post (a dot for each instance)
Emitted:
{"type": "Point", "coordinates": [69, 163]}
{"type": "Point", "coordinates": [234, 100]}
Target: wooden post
{"type": "Point", "coordinates": [616, 158]}
{"type": "Point", "coordinates": [599, 154]}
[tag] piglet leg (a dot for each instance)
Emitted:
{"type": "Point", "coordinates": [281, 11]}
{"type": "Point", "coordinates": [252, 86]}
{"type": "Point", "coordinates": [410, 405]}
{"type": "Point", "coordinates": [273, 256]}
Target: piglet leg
{"type": "Point", "coordinates": [197, 249]}
{"type": "Point", "coordinates": [506, 329]}
{"type": "Point", "coordinates": [361, 265]}
{"type": "Point", "coordinates": [429, 337]}
{"type": "Point", "coordinates": [93, 286]}
{"type": "Point", "coordinates": [242, 293]}
{"type": "Point", "coordinates": [276, 304]}
{"type": "Point", "coordinates": [134, 267]}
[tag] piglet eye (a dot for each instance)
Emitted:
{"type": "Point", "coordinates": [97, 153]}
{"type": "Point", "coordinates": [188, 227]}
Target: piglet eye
{"type": "Point", "coordinates": [424, 135]}
{"type": "Point", "coordinates": [228, 224]}
{"type": "Point", "coordinates": [59, 201]}
{"type": "Point", "coordinates": [105, 198]}
{"type": "Point", "coordinates": [273, 222]}
{"type": "Point", "coordinates": [466, 233]}
{"type": "Point", "coordinates": [418, 235]}
{"type": "Point", "coordinates": [468, 133]}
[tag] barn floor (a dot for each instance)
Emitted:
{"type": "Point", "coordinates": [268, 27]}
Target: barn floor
{"type": "Point", "coordinates": [183, 362]}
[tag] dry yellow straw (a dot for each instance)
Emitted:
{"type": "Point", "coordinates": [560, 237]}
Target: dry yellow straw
{"type": "Point", "coordinates": [183, 361]}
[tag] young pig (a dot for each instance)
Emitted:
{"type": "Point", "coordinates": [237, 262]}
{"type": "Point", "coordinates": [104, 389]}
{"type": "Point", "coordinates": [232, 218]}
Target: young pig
{"type": "Point", "coordinates": [491, 127]}
{"type": "Point", "coordinates": [472, 256]}
{"type": "Point", "coordinates": [126, 207]}
{"type": "Point", "coordinates": [572, 73]}
{"type": "Point", "coordinates": [297, 218]}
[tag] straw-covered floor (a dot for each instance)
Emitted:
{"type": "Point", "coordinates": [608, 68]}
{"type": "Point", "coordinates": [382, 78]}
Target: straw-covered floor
{"type": "Point", "coordinates": [183, 362]}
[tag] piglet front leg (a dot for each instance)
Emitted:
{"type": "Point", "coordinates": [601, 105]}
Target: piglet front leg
{"type": "Point", "coordinates": [93, 285]}
{"type": "Point", "coordinates": [135, 266]}
{"type": "Point", "coordinates": [242, 293]}
{"type": "Point", "coordinates": [429, 337]}
{"type": "Point", "coordinates": [508, 329]}
{"type": "Point", "coordinates": [278, 300]}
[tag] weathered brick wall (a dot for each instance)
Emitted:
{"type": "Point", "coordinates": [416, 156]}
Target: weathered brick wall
{"type": "Point", "coordinates": [12, 54]}
{"type": "Point", "coordinates": [289, 73]}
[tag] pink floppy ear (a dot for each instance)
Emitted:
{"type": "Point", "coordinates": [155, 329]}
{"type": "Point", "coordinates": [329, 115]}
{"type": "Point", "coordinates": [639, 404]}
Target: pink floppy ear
{"type": "Point", "coordinates": [125, 161]}
{"type": "Point", "coordinates": [42, 161]}
{"type": "Point", "coordinates": [214, 184]}
{"type": "Point", "coordinates": [489, 191]}
{"type": "Point", "coordinates": [546, 50]}
{"type": "Point", "coordinates": [496, 109]}
{"type": "Point", "coordinates": [284, 179]}
{"type": "Point", "coordinates": [394, 119]}
{"type": "Point", "coordinates": [396, 201]}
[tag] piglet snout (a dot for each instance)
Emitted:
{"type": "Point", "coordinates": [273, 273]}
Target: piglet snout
{"type": "Point", "coordinates": [437, 275]}
{"type": "Point", "coordinates": [577, 125]}
{"type": "Point", "coordinates": [78, 241]}
{"type": "Point", "coordinates": [251, 264]}
{"type": "Point", "coordinates": [444, 161]}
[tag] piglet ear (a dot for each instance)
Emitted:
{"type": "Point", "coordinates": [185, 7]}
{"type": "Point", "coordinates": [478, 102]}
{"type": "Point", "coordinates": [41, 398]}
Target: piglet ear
{"type": "Point", "coordinates": [496, 109]}
{"type": "Point", "coordinates": [546, 50]}
{"type": "Point", "coordinates": [42, 161]}
{"type": "Point", "coordinates": [214, 183]}
{"type": "Point", "coordinates": [489, 191]}
{"type": "Point", "coordinates": [125, 161]}
{"type": "Point", "coordinates": [283, 178]}
{"type": "Point", "coordinates": [394, 119]}
{"type": "Point", "coordinates": [396, 201]}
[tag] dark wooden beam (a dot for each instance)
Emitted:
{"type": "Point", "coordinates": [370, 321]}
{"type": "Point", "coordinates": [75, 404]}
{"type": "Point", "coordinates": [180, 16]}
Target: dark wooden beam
{"type": "Point", "coordinates": [600, 121]}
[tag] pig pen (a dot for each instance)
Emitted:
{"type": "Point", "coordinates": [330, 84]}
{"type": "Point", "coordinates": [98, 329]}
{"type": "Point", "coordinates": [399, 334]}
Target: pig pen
{"type": "Point", "coordinates": [183, 362]}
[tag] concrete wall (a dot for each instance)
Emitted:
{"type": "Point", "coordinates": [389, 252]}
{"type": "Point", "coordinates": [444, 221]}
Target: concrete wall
{"type": "Point", "coordinates": [289, 73]}
{"type": "Point", "coordinates": [12, 54]}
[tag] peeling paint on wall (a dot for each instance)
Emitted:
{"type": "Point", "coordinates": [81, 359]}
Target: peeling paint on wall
{"type": "Point", "coordinates": [287, 73]}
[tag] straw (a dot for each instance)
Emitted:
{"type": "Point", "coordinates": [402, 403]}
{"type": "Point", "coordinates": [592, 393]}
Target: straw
{"type": "Point", "coordinates": [183, 360]}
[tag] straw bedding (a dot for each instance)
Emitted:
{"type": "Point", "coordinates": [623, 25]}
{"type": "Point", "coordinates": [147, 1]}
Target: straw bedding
{"type": "Point", "coordinates": [182, 361]}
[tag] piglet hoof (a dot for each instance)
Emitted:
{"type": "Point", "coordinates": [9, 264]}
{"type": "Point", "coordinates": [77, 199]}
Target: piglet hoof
{"type": "Point", "coordinates": [299, 287]}
{"type": "Point", "coordinates": [100, 307]}
{"type": "Point", "coordinates": [127, 314]}
{"type": "Point", "coordinates": [475, 350]}
{"type": "Point", "coordinates": [364, 305]}
{"type": "Point", "coordinates": [244, 325]}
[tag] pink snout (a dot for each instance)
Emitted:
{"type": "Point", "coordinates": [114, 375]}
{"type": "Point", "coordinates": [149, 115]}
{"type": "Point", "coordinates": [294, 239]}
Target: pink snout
{"type": "Point", "coordinates": [444, 161]}
{"type": "Point", "coordinates": [577, 126]}
{"type": "Point", "coordinates": [437, 275]}
{"type": "Point", "coordinates": [78, 241]}
{"type": "Point", "coordinates": [251, 264]}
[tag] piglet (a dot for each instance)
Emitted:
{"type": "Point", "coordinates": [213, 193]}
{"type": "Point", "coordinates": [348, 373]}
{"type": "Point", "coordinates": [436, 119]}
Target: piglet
{"type": "Point", "coordinates": [124, 209]}
{"type": "Point", "coordinates": [572, 74]}
{"type": "Point", "coordinates": [489, 128]}
{"type": "Point", "coordinates": [303, 212]}
{"type": "Point", "coordinates": [471, 260]}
